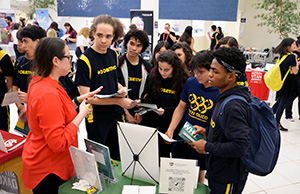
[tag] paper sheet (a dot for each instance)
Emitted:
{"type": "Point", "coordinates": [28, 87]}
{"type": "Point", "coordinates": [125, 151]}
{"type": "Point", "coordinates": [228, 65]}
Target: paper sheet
{"type": "Point", "coordinates": [10, 98]}
{"type": "Point", "coordinates": [146, 105]}
{"type": "Point", "coordinates": [165, 137]}
{"type": "Point", "coordinates": [110, 95]}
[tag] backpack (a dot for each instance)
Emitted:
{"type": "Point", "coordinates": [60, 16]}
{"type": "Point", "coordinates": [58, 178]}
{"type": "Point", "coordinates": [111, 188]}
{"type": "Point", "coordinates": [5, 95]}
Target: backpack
{"type": "Point", "coordinates": [272, 77]}
{"type": "Point", "coordinates": [264, 147]}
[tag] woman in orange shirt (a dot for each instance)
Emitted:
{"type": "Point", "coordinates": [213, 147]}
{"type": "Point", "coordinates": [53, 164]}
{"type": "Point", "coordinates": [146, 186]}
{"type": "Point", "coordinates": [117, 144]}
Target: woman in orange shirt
{"type": "Point", "coordinates": [52, 119]}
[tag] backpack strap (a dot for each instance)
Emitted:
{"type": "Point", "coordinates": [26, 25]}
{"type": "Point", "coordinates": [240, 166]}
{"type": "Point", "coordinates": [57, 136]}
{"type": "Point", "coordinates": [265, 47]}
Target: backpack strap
{"type": "Point", "coordinates": [221, 119]}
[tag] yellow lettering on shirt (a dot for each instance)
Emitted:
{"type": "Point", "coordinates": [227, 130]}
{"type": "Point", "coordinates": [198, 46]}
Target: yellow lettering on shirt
{"type": "Point", "coordinates": [198, 107]}
{"type": "Point", "coordinates": [212, 123]}
{"type": "Point", "coordinates": [134, 79]}
{"type": "Point", "coordinates": [107, 70]}
{"type": "Point", "coordinates": [25, 72]}
{"type": "Point", "coordinates": [167, 91]}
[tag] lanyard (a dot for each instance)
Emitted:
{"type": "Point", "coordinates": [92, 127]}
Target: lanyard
{"type": "Point", "coordinates": [164, 37]}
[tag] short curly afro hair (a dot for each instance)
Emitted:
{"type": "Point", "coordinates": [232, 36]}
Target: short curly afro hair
{"type": "Point", "coordinates": [140, 35]}
{"type": "Point", "coordinates": [231, 56]}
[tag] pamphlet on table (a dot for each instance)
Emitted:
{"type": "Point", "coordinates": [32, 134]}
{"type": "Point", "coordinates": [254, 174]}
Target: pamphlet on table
{"type": "Point", "coordinates": [178, 176]}
{"type": "Point", "coordinates": [9, 141]}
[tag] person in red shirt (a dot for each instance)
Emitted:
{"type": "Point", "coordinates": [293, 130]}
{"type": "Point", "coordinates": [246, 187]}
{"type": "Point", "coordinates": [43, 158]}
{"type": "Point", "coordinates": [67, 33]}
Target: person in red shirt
{"type": "Point", "coordinates": [9, 28]}
{"type": "Point", "coordinates": [52, 119]}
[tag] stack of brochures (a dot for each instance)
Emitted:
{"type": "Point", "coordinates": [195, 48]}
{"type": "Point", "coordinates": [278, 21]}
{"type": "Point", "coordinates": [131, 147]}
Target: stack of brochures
{"type": "Point", "coordinates": [187, 133]}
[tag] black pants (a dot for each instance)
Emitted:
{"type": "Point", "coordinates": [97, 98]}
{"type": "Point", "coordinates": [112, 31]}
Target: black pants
{"type": "Point", "coordinates": [49, 185]}
{"type": "Point", "coordinates": [233, 188]}
{"type": "Point", "coordinates": [279, 106]}
{"type": "Point", "coordinates": [4, 118]}
{"type": "Point", "coordinates": [288, 109]}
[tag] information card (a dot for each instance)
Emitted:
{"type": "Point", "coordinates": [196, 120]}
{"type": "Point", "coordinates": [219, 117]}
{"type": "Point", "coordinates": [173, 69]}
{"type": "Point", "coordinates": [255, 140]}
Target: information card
{"type": "Point", "coordinates": [177, 176]}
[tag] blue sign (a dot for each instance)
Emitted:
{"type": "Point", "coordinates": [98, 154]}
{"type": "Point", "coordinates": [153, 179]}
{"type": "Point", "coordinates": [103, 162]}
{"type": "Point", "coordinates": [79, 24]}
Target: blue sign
{"type": "Point", "coordinates": [213, 10]}
{"type": "Point", "coordinates": [93, 8]}
{"type": "Point", "coordinates": [42, 17]}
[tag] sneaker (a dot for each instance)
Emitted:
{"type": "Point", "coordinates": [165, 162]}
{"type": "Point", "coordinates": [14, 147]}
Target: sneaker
{"type": "Point", "coordinates": [290, 119]}
{"type": "Point", "coordinates": [281, 128]}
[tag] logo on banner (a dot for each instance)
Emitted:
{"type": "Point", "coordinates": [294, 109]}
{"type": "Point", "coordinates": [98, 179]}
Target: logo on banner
{"type": "Point", "coordinates": [256, 77]}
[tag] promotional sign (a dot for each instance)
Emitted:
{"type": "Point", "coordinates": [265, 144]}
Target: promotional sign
{"type": "Point", "coordinates": [178, 176]}
{"type": "Point", "coordinates": [144, 21]}
{"type": "Point", "coordinates": [42, 17]}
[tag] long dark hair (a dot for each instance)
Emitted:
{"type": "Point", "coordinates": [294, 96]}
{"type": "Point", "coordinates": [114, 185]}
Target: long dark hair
{"type": "Point", "coordinates": [45, 51]}
{"type": "Point", "coordinates": [179, 75]}
{"type": "Point", "coordinates": [68, 24]}
{"type": "Point", "coordinates": [187, 35]}
{"type": "Point", "coordinates": [220, 30]}
{"type": "Point", "coordinates": [157, 49]}
{"type": "Point", "coordinates": [187, 52]}
{"type": "Point", "coordinates": [282, 48]}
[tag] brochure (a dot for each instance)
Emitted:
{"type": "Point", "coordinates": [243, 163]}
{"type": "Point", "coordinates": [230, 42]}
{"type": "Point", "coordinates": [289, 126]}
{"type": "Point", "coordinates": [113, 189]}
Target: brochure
{"type": "Point", "coordinates": [165, 137]}
{"type": "Point", "coordinates": [9, 141]}
{"type": "Point", "coordinates": [10, 98]}
{"type": "Point", "coordinates": [102, 156]}
{"type": "Point", "coordinates": [177, 176]}
{"type": "Point", "coordinates": [110, 95]}
{"type": "Point", "coordinates": [85, 167]}
{"type": "Point", "coordinates": [187, 132]}
{"type": "Point", "coordinates": [146, 105]}
{"type": "Point", "coordinates": [22, 127]}
{"type": "Point", "coordinates": [136, 189]}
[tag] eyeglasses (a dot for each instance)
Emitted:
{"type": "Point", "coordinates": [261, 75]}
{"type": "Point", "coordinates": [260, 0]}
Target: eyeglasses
{"type": "Point", "coordinates": [69, 57]}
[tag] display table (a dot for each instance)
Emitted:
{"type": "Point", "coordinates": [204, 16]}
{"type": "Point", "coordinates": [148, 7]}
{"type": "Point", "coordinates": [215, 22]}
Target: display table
{"type": "Point", "coordinates": [12, 161]}
{"type": "Point", "coordinates": [257, 84]}
{"type": "Point", "coordinates": [66, 188]}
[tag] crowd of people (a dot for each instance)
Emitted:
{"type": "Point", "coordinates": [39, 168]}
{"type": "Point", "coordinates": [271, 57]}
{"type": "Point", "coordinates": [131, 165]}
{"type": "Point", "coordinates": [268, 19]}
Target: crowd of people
{"type": "Point", "coordinates": [184, 84]}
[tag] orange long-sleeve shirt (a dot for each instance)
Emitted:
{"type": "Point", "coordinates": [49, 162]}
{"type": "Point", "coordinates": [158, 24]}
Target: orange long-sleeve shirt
{"type": "Point", "coordinates": [50, 112]}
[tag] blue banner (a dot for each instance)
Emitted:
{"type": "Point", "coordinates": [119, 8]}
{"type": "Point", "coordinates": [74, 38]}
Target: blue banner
{"type": "Point", "coordinates": [42, 17]}
{"type": "Point", "coordinates": [213, 10]}
{"type": "Point", "coordinates": [93, 8]}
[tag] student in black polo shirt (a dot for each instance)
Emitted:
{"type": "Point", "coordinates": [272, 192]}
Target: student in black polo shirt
{"type": "Point", "coordinates": [214, 37]}
{"type": "Point", "coordinates": [6, 73]}
{"type": "Point", "coordinates": [163, 88]}
{"type": "Point", "coordinates": [168, 35]}
{"type": "Point", "coordinates": [30, 35]}
{"type": "Point", "coordinates": [98, 66]}
{"type": "Point", "coordinates": [134, 69]}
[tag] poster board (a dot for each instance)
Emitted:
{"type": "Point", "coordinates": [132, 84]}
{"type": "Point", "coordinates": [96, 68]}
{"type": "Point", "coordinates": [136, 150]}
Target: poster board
{"type": "Point", "coordinates": [149, 157]}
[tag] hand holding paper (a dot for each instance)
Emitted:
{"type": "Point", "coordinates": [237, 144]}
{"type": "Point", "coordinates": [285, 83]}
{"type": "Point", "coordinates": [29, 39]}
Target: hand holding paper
{"type": "Point", "coordinates": [89, 95]}
{"type": "Point", "coordinates": [22, 96]}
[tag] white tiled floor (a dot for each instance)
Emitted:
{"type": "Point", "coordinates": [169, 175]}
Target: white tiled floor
{"type": "Point", "coordinates": [284, 179]}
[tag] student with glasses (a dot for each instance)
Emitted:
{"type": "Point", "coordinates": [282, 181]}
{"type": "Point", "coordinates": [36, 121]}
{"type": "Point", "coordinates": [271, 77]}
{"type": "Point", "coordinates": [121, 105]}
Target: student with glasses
{"type": "Point", "coordinates": [52, 119]}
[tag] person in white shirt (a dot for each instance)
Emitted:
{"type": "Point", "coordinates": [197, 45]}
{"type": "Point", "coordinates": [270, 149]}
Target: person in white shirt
{"type": "Point", "coordinates": [15, 40]}
{"type": "Point", "coordinates": [82, 41]}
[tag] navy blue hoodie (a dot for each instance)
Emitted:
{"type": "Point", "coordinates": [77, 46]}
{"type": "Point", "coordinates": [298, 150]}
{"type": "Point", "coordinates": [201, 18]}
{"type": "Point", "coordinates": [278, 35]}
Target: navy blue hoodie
{"type": "Point", "coordinates": [224, 162]}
